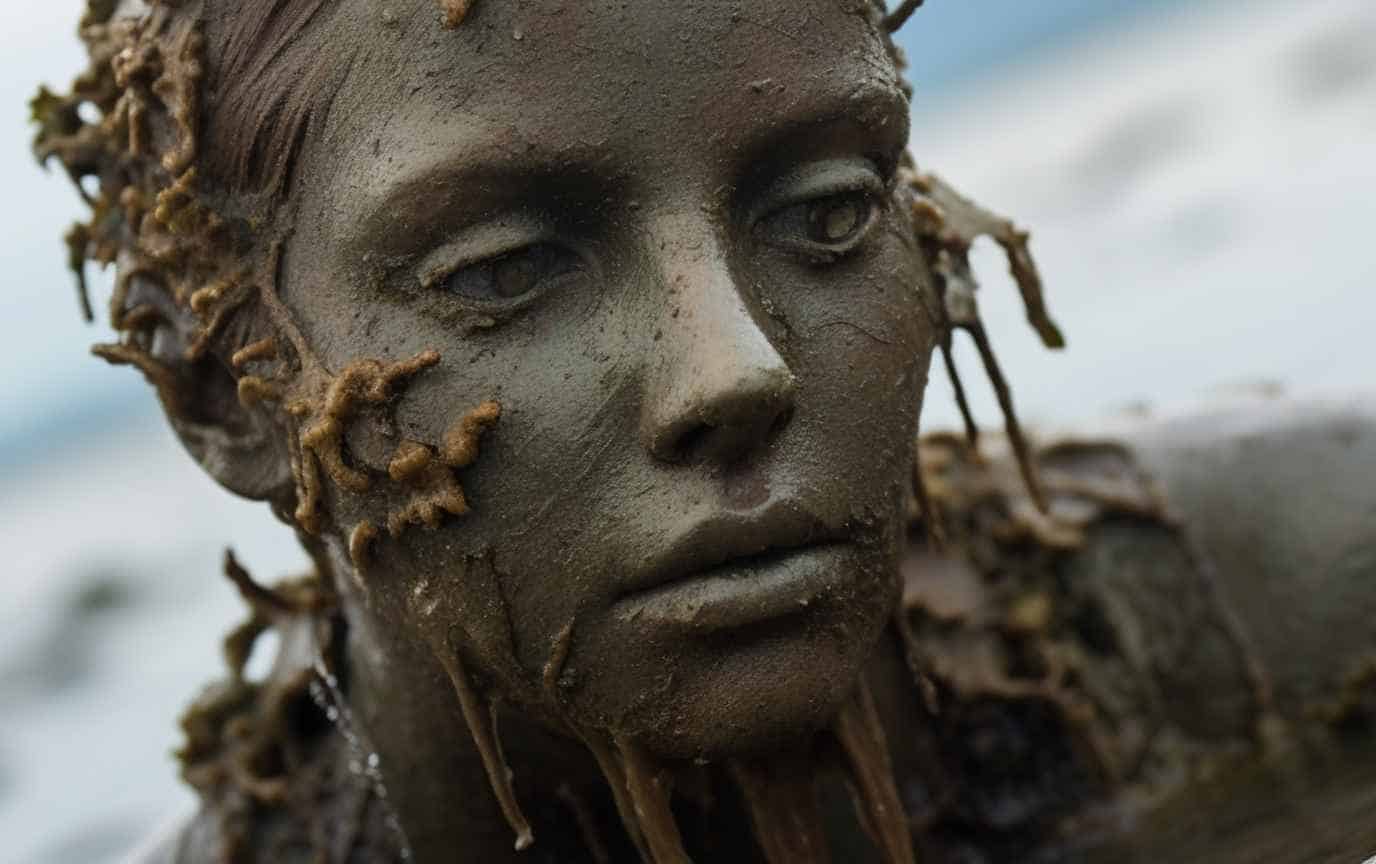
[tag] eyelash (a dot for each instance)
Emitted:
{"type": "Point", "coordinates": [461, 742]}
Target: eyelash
{"type": "Point", "coordinates": [507, 281]}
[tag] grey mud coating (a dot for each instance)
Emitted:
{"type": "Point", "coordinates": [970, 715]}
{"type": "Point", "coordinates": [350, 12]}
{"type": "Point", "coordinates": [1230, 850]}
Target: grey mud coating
{"type": "Point", "coordinates": [583, 348]}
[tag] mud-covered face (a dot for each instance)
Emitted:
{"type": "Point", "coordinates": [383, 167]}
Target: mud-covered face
{"type": "Point", "coordinates": [663, 236]}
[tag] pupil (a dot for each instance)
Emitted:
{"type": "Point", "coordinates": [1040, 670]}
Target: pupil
{"type": "Point", "coordinates": [513, 277]}
{"type": "Point", "coordinates": [840, 221]}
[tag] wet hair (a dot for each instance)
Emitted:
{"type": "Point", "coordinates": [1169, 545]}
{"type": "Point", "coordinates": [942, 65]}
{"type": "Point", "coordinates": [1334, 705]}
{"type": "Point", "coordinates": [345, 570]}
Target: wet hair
{"type": "Point", "coordinates": [204, 109]}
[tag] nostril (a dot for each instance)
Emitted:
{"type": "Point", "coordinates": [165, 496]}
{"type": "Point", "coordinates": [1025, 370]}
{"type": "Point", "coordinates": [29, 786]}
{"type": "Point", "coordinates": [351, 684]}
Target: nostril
{"type": "Point", "coordinates": [781, 421]}
{"type": "Point", "coordinates": [690, 444]}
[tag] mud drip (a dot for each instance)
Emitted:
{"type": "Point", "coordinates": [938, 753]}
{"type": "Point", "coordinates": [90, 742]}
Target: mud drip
{"type": "Point", "coordinates": [779, 790]}
{"type": "Point", "coordinates": [648, 788]}
{"type": "Point", "coordinates": [781, 794]}
{"type": "Point", "coordinates": [480, 715]}
{"type": "Point", "coordinates": [609, 762]}
{"type": "Point", "coordinates": [866, 750]}
{"type": "Point", "coordinates": [558, 656]}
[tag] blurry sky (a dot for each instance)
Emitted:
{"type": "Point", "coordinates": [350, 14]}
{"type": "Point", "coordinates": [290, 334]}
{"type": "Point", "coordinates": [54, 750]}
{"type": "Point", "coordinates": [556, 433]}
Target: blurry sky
{"type": "Point", "coordinates": [1198, 175]}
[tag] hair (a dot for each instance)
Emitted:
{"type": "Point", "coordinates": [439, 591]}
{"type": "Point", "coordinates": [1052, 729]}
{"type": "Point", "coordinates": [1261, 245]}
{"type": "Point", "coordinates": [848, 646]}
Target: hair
{"type": "Point", "coordinates": [205, 108]}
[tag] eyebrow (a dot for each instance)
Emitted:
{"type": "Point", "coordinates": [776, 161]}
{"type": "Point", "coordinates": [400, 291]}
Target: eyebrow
{"type": "Point", "coordinates": [489, 175]}
{"type": "Point", "coordinates": [493, 174]}
{"type": "Point", "coordinates": [876, 111]}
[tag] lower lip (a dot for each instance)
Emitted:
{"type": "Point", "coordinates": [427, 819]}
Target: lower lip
{"type": "Point", "coordinates": [736, 595]}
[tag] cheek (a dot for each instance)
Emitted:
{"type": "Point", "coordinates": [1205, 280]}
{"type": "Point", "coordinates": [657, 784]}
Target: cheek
{"type": "Point", "coordinates": [447, 597]}
{"type": "Point", "coordinates": [861, 337]}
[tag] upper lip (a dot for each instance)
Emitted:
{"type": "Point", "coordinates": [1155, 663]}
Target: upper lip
{"type": "Point", "coordinates": [726, 537]}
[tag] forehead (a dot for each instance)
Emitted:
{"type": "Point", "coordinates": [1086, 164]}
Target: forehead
{"type": "Point", "coordinates": [647, 79]}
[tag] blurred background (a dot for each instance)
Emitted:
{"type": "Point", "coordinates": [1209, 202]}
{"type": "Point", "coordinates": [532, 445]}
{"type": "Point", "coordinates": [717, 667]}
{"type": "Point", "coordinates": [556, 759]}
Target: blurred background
{"type": "Point", "coordinates": [1199, 176]}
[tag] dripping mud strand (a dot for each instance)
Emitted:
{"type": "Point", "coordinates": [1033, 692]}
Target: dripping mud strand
{"type": "Point", "coordinates": [648, 787]}
{"type": "Point", "coordinates": [781, 794]}
{"type": "Point", "coordinates": [866, 749]}
{"type": "Point", "coordinates": [480, 717]}
{"type": "Point", "coordinates": [609, 763]}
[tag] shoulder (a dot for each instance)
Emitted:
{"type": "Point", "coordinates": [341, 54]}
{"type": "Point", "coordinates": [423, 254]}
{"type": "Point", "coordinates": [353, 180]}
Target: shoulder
{"type": "Point", "coordinates": [1281, 494]}
{"type": "Point", "coordinates": [1256, 516]}
{"type": "Point", "coordinates": [1200, 587]}
{"type": "Point", "coordinates": [1308, 464]}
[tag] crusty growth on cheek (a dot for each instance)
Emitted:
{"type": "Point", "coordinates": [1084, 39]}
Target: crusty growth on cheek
{"type": "Point", "coordinates": [434, 489]}
{"type": "Point", "coordinates": [152, 216]}
{"type": "Point", "coordinates": [455, 11]}
{"type": "Point", "coordinates": [360, 540]}
{"type": "Point", "coordinates": [322, 418]}
{"type": "Point", "coordinates": [461, 442]}
{"type": "Point", "coordinates": [410, 459]}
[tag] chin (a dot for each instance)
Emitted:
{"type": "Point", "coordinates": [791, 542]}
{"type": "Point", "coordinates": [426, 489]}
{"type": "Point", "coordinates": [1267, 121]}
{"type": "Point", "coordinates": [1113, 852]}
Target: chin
{"type": "Point", "coordinates": [764, 689]}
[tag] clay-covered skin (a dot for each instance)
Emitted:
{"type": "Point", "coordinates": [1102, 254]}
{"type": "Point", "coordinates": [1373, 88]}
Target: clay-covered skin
{"type": "Point", "coordinates": [666, 242]}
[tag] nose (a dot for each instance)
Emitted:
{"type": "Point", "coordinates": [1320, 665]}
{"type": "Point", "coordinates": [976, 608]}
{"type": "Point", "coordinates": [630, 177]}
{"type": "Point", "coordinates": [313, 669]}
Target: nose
{"type": "Point", "coordinates": [718, 389]}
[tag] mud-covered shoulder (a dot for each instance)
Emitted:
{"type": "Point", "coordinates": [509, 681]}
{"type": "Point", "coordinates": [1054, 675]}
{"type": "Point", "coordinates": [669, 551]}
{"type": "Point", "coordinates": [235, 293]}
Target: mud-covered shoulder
{"type": "Point", "coordinates": [1196, 596]}
{"type": "Point", "coordinates": [1282, 495]}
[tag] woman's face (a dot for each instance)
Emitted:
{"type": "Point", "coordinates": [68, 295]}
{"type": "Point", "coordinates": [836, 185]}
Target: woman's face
{"type": "Point", "coordinates": [663, 236]}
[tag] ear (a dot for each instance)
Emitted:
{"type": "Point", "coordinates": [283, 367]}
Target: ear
{"type": "Point", "coordinates": [243, 449]}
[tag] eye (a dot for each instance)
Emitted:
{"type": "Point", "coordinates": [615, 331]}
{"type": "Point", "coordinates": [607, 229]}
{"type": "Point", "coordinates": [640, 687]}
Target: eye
{"type": "Point", "coordinates": [505, 280]}
{"type": "Point", "coordinates": [823, 228]}
{"type": "Point", "coordinates": [838, 219]}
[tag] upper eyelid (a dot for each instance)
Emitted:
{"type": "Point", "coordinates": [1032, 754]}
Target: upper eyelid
{"type": "Point", "coordinates": [810, 184]}
{"type": "Point", "coordinates": [475, 245]}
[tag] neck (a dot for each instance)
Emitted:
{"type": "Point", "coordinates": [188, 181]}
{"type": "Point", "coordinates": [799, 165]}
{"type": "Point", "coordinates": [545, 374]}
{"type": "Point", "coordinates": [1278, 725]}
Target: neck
{"type": "Point", "coordinates": [597, 797]}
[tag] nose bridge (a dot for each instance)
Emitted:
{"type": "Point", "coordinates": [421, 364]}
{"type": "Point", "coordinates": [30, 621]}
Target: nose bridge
{"type": "Point", "coordinates": [718, 387]}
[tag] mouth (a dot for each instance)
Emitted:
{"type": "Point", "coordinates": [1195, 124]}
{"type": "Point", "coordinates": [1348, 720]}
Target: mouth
{"type": "Point", "coordinates": [736, 569]}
